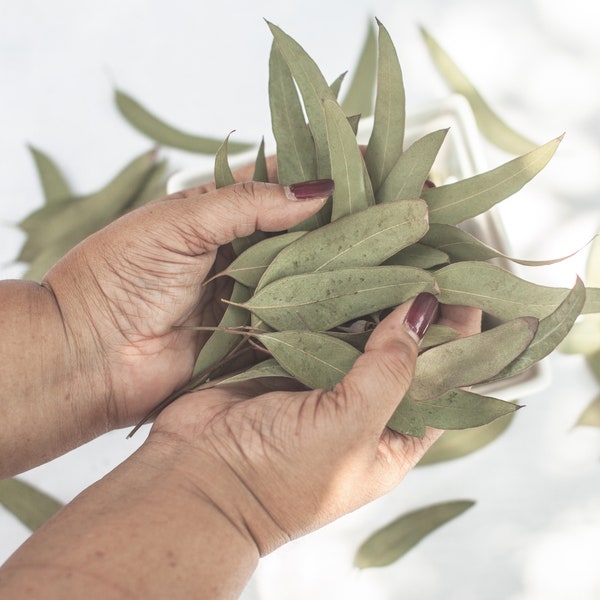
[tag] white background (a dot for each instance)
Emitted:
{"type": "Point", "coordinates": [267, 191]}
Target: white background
{"type": "Point", "coordinates": [535, 531]}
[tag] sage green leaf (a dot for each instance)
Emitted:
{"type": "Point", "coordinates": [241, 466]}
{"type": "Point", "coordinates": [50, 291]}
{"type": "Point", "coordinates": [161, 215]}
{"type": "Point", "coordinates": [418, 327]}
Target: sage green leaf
{"type": "Point", "coordinates": [54, 185]}
{"type": "Point", "coordinates": [419, 255]}
{"type": "Point", "coordinates": [407, 177]}
{"type": "Point", "coordinates": [387, 138]}
{"type": "Point", "coordinates": [591, 415]}
{"type": "Point", "coordinates": [436, 335]}
{"type": "Point", "coordinates": [314, 359]}
{"type": "Point", "coordinates": [337, 84]}
{"type": "Point", "coordinates": [354, 122]}
{"type": "Point", "coordinates": [460, 245]}
{"type": "Point", "coordinates": [357, 339]}
{"type": "Point", "coordinates": [313, 88]}
{"type": "Point", "coordinates": [458, 363]}
{"type": "Point", "coordinates": [154, 188]}
{"type": "Point", "coordinates": [222, 171]}
{"type": "Point", "coordinates": [30, 505]}
{"type": "Point", "coordinates": [454, 202]}
{"type": "Point", "coordinates": [460, 409]}
{"type": "Point", "coordinates": [260, 165]}
{"type": "Point", "coordinates": [362, 239]}
{"type": "Point", "coordinates": [408, 419]}
{"type": "Point", "coordinates": [250, 265]}
{"type": "Point", "coordinates": [156, 129]}
{"type": "Point", "coordinates": [501, 293]}
{"type": "Point", "coordinates": [350, 194]}
{"type": "Point", "coordinates": [550, 332]}
{"type": "Point", "coordinates": [461, 442]}
{"type": "Point", "coordinates": [320, 301]}
{"type": "Point", "coordinates": [221, 343]}
{"type": "Point", "coordinates": [393, 541]}
{"type": "Point", "coordinates": [50, 255]}
{"type": "Point", "coordinates": [266, 368]}
{"type": "Point", "coordinates": [359, 97]}
{"type": "Point", "coordinates": [296, 159]}
{"type": "Point", "coordinates": [488, 122]}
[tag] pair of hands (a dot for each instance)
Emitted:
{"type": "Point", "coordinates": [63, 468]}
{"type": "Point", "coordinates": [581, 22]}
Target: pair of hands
{"type": "Point", "coordinates": [277, 463]}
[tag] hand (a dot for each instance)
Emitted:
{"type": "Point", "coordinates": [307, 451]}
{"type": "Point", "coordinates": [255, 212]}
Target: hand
{"type": "Point", "coordinates": [283, 463]}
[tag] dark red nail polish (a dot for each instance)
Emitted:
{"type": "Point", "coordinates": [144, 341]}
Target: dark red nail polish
{"type": "Point", "coordinates": [422, 313]}
{"type": "Point", "coordinates": [310, 190]}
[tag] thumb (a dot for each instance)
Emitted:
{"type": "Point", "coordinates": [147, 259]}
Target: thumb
{"type": "Point", "coordinates": [381, 376]}
{"type": "Point", "coordinates": [235, 211]}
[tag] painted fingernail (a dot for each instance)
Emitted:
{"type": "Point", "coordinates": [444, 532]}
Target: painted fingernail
{"type": "Point", "coordinates": [421, 314]}
{"type": "Point", "coordinates": [311, 190]}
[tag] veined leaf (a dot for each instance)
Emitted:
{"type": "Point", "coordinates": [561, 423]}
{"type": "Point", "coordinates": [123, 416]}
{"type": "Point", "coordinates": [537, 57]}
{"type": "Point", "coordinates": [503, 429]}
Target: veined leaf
{"type": "Point", "coordinates": [321, 301]}
{"type": "Point", "coordinates": [314, 359]}
{"type": "Point", "coordinates": [387, 138]}
{"type": "Point", "coordinates": [591, 415]}
{"type": "Point", "coordinates": [454, 202]}
{"type": "Point", "coordinates": [54, 186]}
{"type": "Point", "coordinates": [490, 125]}
{"type": "Point", "coordinates": [350, 194]}
{"type": "Point", "coordinates": [408, 419]}
{"type": "Point", "coordinates": [436, 335]}
{"type": "Point", "coordinates": [407, 177]}
{"type": "Point", "coordinates": [165, 134]}
{"type": "Point", "coordinates": [419, 255]}
{"type": "Point", "coordinates": [393, 541]}
{"type": "Point", "coordinates": [266, 368]}
{"type": "Point", "coordinates": [458, 363]}
{"type": "Point", "coordinates": [361, 239]}
{"type": "Point", "coordinates": [356, 339]}
{"type": "Point", "coordinates": [359, 97]}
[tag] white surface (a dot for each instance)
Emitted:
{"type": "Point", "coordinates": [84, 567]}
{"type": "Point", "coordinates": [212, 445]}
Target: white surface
{"type": "Point", "coordinates": [535, 531]}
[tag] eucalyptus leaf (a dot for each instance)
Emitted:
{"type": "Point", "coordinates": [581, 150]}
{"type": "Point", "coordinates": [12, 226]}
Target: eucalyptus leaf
{"type": "Point", "coordinates": [356, 339]}
{"type": "Point", "coordinates": [156, 129]}
{"type": "Point", "coordinates": [54, 185]}
{"type": "Point", "coordinates": [154, 188]}
{"type": "Point", "coordinates": [30, 505]}
{"type": "Point", "coordinates": [260, 165]}
{"type": "Point", "coordinates": [458, 363]}
{"type": "Point", "coordinates": [387, 137]}
{"type": "Point", "coordinates": [361, 239]}
{"type": "Point", "coordinates": [455, 202]}
{"type": "Point", "coordinates": [488, 122]}
{"type": "Point", "coordinates": [354, 122]}
{"type": "Point", "coordinates": [337, 84]}
{"type": "Point", "coordinates": [436, 335]}
{"type": "Point", "coordinates": [321, 301]}
{"type": "Point", "coordinates": [591, 415]}
{"type": "Point", "coordinates": [266, 368]}
{"type": "Point", "coordinates": [408, 419]}
{"type": "Point", "coordinates": [393, 541]}
{"type": "Point", "coordinates": [314, 359]}
{"type": "Point", "coordinates": [419, 255]}
{"type": "Point", "coordinates": [408, 175]}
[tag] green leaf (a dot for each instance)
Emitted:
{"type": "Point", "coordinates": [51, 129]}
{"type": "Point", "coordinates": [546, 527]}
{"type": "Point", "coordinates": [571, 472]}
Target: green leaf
{"type": "Point", "coordinates": [165, 134]}
{"type": "Point", "coordinates": [337, 84]}
{"type": "Point", "coordinates": [387, 138]}
{"type": "Point", "coordinates": [490, 125]}
{"type": "Point", "coordinates": [359, 97]}
{"type": "Point", "coordinates": [460, 409]}
{"type": "Point", "coordinates": [361, 239]}
{"type": "Point", "coordinates": [591, 415]}
{"type": "Point", "coordinates": [266, 368]}
{"type": "Point", "coordinates": [31, 506]}
{"type": "Point", "coordinates": [436, 335]}
{"type": "Point", "coordinates": [314, 359]}
{"type": "Point", "coordinates": [408, 419]}
{"type": "Point", "coordinates": [408, 175]}
{"type": "Point", "coordinates": [154, 188]}
{"type": "Point", "coordinates": [347, 166]}
{"type": "Point", "coordinates": [454, 202]}
{"type": "Point", "coordinates": [320, 301]}
{"type": "Point", "coordinates": [54, 186]}
{"type": "Point", "coordinates": [458, 363]}
{"type": "Point", "coordinates": [419, 255]}
{"type": "Point", "coordinates": [354, 122]}
{"type": "Point", "coordinates": [550, 332]}
{"type": "Point", "coordinates": [356, 339]}
{"type": "Point", "coordinates": [260, 165]}
{"type": "Point", "coordinates": [393, 541]}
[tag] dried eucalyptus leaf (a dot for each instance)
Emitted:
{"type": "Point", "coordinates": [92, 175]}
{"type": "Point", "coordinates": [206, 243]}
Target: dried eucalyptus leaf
{"type": "Point", "coordinates": [350, 194]}
{"type": "Point", "coordinates": [550, 332]}
{"type": "Point", "coordinates": [250, 265]}
{"type": "Point", "coordinates": [266, 368]}
{"type": "Point", "coordinates": [337, 84]}
{"type": "Point", "coordinates": [314, 359]}
{"type": "Point", "coordinates": [31, 506]}
{"type": "Point", "coordinates": [458, 363]}
{"type": "Point", "coordinates": [359, 97]}
{"type": "Point", "coordinates": [387, 138]}
{"type": "Point", "coordinates": [436, 335]}
{"type": "Point", "coordinates": [454, 202]}
{"type": "Point", "coordinates": [357, 339]}
{"type": "Point", "coordinates": [296, 159]}
{"type": "Point", "coordinates": [393, 541]}
{"type": "Point", "coordinates": [54, 185]}
{"type": "Point", "coordinates": [354, 122]}
{"type": "Point", "coordinates": [321, 301]}
{"type": "Point", "coordinates": [362, 239]}
{"type": "Point", "coordinates": [460, 409]}
{"type": "Point", "coordinates": [419, 255]}
{"type": "Point", "coordinates": [260, 165]}
{"type": "Point", "coordinates": [154, 188]}
{"type": "Point", "coordinates": [502, 294]}
{"type": "Point", "coordinates": [408, 175]}
{"type": "Point", "coordinates": [221, 343]}
{"type": "Point", "coordinates": [165, 134]}
{"type": "Point", "coordinates": [591, 415]}
{"type": "Point", "coordinates": [408, 419]}
{"type": "Point", "coordinates": [460, 442]}
{"type": "Point", "coordinates": [488, 122]}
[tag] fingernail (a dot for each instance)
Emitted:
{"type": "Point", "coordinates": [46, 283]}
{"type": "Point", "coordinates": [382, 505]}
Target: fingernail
{"type": "Point", "coordinates": [421, 314]}
{"type": "Point", "coordinates": [311, 190]}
